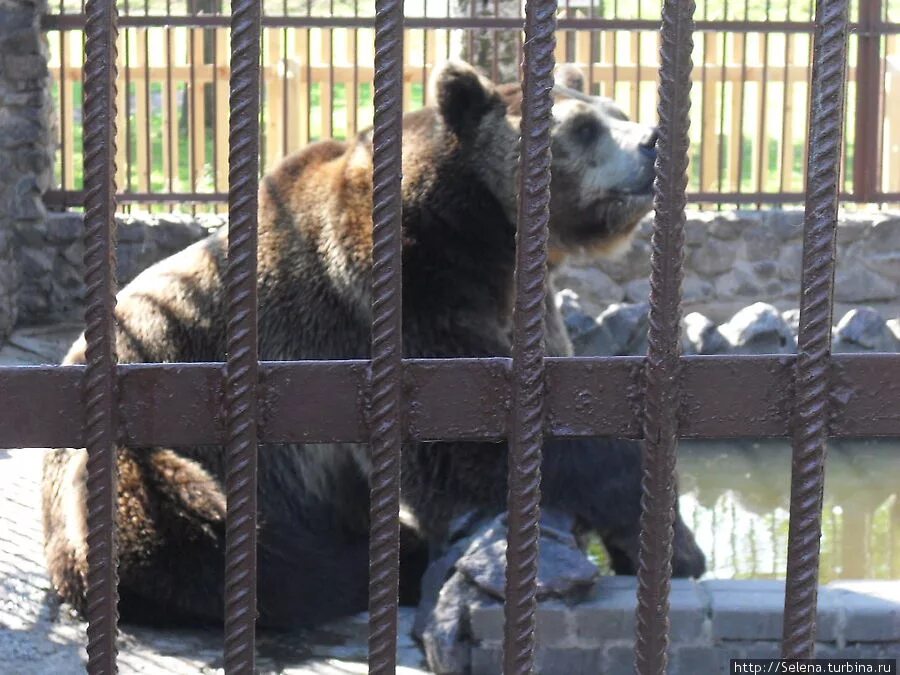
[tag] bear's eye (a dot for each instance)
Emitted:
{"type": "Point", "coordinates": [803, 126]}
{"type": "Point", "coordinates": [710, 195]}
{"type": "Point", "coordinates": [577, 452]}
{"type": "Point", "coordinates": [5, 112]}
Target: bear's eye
{"type": "Point", "coordinates": [586, 131]}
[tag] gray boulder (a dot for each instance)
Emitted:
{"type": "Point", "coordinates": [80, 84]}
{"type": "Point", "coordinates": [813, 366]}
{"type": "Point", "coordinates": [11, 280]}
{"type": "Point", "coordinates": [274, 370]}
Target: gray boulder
{"type": "Point", "coordinates": [702, 336]}
{"type": "Point", "coordinates": [758, 329]}
{"type": "Point", "coordinates": [864, 330]}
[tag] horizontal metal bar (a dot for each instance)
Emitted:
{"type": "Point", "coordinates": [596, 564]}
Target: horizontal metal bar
{"type": "Point", "coordinates": [757, 197]}
{"type": "Point", "coordinates": [65, 198]}
{"type": "Point", "coordinates": [76, 22]}
{"type": "Point", "coordinates": [464, 399]}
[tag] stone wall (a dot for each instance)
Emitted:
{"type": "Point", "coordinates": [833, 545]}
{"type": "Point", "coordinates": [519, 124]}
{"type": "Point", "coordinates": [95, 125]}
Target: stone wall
{"type": "Point", "coordinates": [736, 258]}
{"type": "Point", "coordinates": [712, 622]}
{"type": "Point", "coordinates": [50, 256]}
{"type": "Point", "coordinates": [26, 145]}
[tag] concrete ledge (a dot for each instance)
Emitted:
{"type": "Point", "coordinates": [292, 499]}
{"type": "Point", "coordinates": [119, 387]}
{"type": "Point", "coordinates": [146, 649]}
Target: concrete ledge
{"type": "Point", "coordinates": [712, 622]}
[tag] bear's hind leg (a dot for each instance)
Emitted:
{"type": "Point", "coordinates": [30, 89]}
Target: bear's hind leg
{"type": "Point", "coordinates": [171, 540]}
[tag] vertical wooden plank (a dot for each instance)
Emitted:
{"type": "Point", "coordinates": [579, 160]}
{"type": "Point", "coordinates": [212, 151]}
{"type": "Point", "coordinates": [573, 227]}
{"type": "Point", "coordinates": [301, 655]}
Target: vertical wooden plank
{"type": "Point", "coordinates": [736, 89]}
{"type": "Point", "coordinates": [198, 111]}
{"type": "Point", "coordinates": [121, 112]}
{"type": "Point", "coordinates": [323, 78]}
{"type": "Point", "coordinates": [607, 84]}
{"type": "Point", "coordinates": [787, 117]}
{"type": "Point", "coordinates": [222, 62]}
{"type": "Point", "coordinates": [301, 103]}
{"type": "Point", "coordinates": [709, 138]}
{"type": "Point", "coordinates": [68, 77]}
{"type": "Point", "coordinates": [583, 55]}
{"type": "Point", "coordinates": [274, 102]}
{"type": "Point", "coordinates": [634, 45]}
{"type": "Point", "coordinates": [170, 118]}
{"type": "Point", "coordinates": [891, 180]}
{"type": "Point", "coordinates": [352, 87]}
{"type": "Point", "coordinates": [407, 59]}
{"type": "Point", "coordinates": [141, 113]}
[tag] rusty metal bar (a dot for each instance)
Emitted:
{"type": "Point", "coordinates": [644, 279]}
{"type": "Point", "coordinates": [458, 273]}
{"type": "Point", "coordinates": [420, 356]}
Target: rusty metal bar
{"type": "Point", "coordinates": [662, 397]}
{"type": "Point", "coordinates": [527, 414]}
{"type": "Point", "coordinates": [869, 119]}
{"type": "Point", "coordinates": [814, 340]}
{"type": "Point", "coordinates": [99, 383]}
{"type": "Point", "coordinates": [722, 397]}
{"type": "Point", "coordinates": [241, 340]}
{"type": "Point", "coordinates": [63, 198]}
{"type": "Point", "coordinates": [387, 341]}
{"type": "Point", "coordinates": [76, 21]}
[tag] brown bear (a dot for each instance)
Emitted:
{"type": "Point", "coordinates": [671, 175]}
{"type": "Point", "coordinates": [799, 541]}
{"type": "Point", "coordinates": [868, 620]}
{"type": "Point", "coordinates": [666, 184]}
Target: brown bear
{"type": "Point", "coordinates": [315, 237]}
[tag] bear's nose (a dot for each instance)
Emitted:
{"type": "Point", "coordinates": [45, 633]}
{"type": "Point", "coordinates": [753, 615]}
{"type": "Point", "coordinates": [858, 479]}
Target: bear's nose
{"type": "Point", "coordinates": [648, 143]}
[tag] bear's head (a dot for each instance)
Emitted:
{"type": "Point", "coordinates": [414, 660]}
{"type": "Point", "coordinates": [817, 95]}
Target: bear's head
{"type": "Point", "coordinates": [603, 170]}
{"type": "Point", "coordinates": [603, 163]}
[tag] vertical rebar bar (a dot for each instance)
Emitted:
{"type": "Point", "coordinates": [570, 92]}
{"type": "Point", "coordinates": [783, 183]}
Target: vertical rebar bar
{"type": "Point", "coordinates": [814, 338]}
{"type": "Point", "coordinates": [99, 383]}
{"type": "Point", "coordinates": [241, 339]}
{"type": "Point", "coordinates": [659, 496]}
{"type": "Point", "coordinates": [387, 344]}
{"type": "Point", "coordinates": [527, 416]}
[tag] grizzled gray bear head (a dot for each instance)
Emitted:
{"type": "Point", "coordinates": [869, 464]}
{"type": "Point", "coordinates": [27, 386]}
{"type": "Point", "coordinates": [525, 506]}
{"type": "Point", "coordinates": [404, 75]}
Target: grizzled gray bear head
{"type": "Point", "coordinates": [602, 171]}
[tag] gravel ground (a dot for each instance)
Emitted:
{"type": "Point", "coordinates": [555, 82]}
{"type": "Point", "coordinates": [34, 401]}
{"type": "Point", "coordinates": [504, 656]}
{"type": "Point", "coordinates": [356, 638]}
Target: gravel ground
{"type": "Point", "coordinates": [38, 636]}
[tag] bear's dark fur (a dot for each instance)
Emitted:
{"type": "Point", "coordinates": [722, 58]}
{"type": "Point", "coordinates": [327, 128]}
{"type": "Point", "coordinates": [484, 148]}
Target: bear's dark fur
{"type": "Point", "coordinates": [315, 236]}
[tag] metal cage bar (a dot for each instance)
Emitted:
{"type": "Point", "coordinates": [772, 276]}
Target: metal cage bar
{"type": "Point", "coordinates": [814, 338]}
{"type": "Point", "coordinates": [663, 365]}
{"type": "Point", "coordinates": [176, 404]}
{"type": "Point", "coordinates": [241, 340]}
{"type": "Point", "coordinates": [99, 383]}
{"type": "Point", "coordinates": [684, 397]}
{"type": "Point", "coordinates": [385, 415]}
{"type": "Point", "coordinates": [527, 417]}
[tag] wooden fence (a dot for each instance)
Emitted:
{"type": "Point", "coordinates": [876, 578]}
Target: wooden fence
{"type": "Point", "coordinates": [749, 101]}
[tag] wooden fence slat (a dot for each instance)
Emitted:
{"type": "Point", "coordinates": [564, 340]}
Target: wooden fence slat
{"type": "Point", "coordinates": [141, 116]}
{"type": "Point", "coordinates": [197, 112]}
{"type": "Point", "coordinates": [73, 103]}
{"type": "Point", "coordinates": [275, 93]}
{"type": "Point", "coordinates": [709, 136]}
{"type": "Point", "coordinates": [300, 103]}
{"type": "Point", "coordinates": [352, 87]}
{"type": "Point", "coordinates": [326, 95]}
{"type": "Point", "coordinates": [223, 55]}
{"type": "Point", "coordinates": [300, 58]}
{"type": "Point", "coordinates": [787, 118]}
{"type": "Point", "coordinates": [121, 112]}
{"type": "Point", "coordinates": [891, 175]}
{"type": "Point", "coordinates": [736, 130]}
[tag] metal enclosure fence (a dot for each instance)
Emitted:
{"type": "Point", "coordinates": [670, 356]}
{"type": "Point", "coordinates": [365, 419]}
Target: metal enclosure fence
{"type": "Point", "coordinates": [807, 397]}
{"type": "Point", "coordinates": [749, 97]}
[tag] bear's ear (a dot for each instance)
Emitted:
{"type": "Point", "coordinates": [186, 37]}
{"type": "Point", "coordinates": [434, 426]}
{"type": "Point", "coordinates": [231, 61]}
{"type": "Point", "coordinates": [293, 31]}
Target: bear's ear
{"type": "Point", "coordinates": [463, 96]}
{"type": "Point", "coordinates": [569, 75]}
